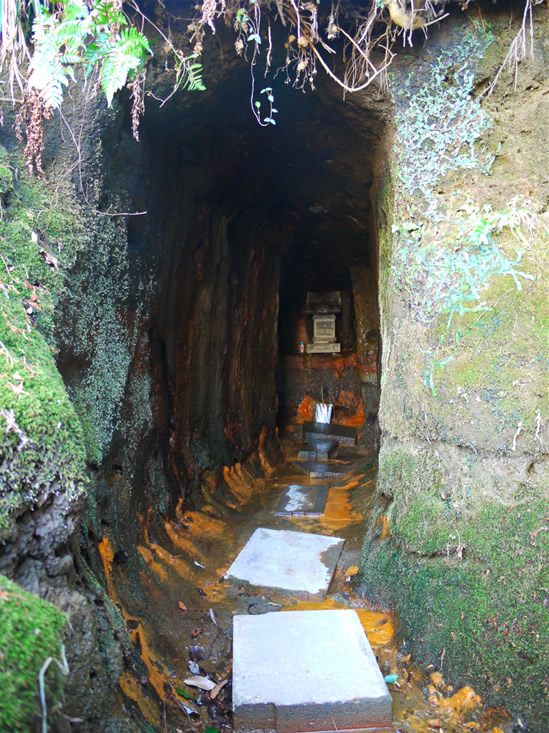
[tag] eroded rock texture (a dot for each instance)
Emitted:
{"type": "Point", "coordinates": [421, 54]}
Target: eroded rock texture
{"type": "Point", "coordinates": [463, 413]}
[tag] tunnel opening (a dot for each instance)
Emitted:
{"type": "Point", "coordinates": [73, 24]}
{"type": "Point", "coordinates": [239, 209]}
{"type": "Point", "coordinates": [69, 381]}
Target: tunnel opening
{"type": "Point", "coordinates": [244, 229]}
{"type": "Point", "coordinates": [242, 224]}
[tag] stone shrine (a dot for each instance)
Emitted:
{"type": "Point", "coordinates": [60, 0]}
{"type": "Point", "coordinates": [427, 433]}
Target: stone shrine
{"type": "Point", "coordinates": [323, 307]}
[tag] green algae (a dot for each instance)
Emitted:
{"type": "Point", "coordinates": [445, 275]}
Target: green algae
{"type": "Point", "coordinates": [30, 633]}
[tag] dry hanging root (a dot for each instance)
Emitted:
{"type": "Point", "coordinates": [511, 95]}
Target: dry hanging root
{"type": "Point", "coordinates": [138, 101]}
{"type": "Point", "coordinates": [31, 116]}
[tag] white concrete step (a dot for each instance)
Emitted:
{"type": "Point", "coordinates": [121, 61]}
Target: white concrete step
{"type": "Point", "coordinates": [306, 671]}
{"type": "Point", "coordinates": [289, 561]}
{"type": "Point", "coordinates": [300, 500]}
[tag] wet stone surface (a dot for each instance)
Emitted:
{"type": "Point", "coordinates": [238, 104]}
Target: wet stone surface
{"type": "Point", "coordinates": [314, 469]}
{"type": "Point", "coordinates": [290, 561]}
{"type": "Point", "coordinates": [306, 671]}
{"type": "Point", "coordinates": [302, 500]}
{"type": "Point", "coordinates": [317, 450]}
{"type": "Point", "coordinates": [344, 434]}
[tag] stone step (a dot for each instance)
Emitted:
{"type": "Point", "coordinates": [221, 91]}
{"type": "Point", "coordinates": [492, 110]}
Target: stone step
{"type": "Point", "coordinates": [300, 500]}
{"type": "Point", "coordinates": [317, 450]}
{"type": "Point", "coordinates": [300, 671]}
{"type": "Point", "coordinates": [314, 469]}
{"type": "Point", "coordinates": [278, 559]}
{"type": "Point", "coordinates": [317, 430]}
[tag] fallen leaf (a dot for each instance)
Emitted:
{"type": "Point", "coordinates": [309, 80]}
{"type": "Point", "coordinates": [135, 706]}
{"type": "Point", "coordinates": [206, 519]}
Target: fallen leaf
{"type": "Point", "coordinates": [217, 689]}
{"type": "Point", "coordinates": [50, 259]}
{"type": "Point", "coordinates": [196, 633]}
{"type": "Point", "coordinates": [390, 678]}
{"type": "Point", "coordinates": [182, 606]}
{"type": "Point", "coordinates": [434, 723]}
{"type": "Point", "coordinates": [203, 683]}
{"type": "Point", "coordinates": [194, 668]}
{"type": "Point", "coordinates": [211, 730]}
{"type": "Point", "coordinates": [199, 565]}
{"type": "Point", "coordinates": [406, 658]}
{"type": "Point", "coordinates": [212, 616]}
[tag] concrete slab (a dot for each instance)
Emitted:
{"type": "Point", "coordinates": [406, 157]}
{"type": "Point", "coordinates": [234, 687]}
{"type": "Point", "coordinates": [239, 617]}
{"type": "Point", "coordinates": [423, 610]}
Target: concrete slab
{"type": "Point", "coordinates": [302, 500]}
{"type": "Point", "coordinates": [288, 561]}
{"type": "Point", "coordinates": [320, 470]}
{"type": "Point", "coordinates": [317, 450]}
{"type": "Point", "coordinates": [306, 671]}
{"type": "Point", "coordinates": [317, 430]}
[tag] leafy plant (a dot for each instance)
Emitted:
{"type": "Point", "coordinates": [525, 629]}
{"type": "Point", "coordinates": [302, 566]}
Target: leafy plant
{"type": "Point", "coordinates": [91, 39]}
{"type": "Point", "coordinates": [249, 30]}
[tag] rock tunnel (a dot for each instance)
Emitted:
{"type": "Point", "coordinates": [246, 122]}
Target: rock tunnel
{"type": "Point", "coordinates": [182, 329]}
{"type": "Point", "coordinates": [242, 222]}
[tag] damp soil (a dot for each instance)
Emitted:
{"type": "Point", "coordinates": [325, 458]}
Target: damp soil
{"type": "Point", "coordinates": [178, 606]}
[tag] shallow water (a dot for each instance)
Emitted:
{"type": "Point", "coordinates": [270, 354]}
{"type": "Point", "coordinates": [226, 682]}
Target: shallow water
{"type": "Point", "coordinates": [178, 608]}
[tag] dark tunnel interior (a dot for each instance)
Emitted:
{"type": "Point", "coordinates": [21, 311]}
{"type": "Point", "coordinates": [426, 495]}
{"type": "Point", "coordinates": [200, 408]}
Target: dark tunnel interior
{"type": "Point", "coordinates": [242, 223]}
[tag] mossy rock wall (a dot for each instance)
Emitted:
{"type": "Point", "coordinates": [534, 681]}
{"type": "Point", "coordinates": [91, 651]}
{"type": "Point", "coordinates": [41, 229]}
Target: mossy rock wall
{"type": "Point", "coordinates": [464, 229]}
{"type": "Point", "coordinates": [62, 285]}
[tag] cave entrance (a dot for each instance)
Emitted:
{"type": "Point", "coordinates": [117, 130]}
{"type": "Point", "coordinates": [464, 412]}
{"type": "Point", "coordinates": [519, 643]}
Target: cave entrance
{"type": "Point", "coordinates": [246, 221]}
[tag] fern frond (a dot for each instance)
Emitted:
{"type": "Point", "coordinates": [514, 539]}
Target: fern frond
{"type": "Point", "coordinates": [189, 76]}
{"type": "Point", "coordinates": [114, 71]}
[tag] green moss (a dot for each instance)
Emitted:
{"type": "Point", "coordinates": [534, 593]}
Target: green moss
{"type": "Point", "coordinates": [41, 441]}
{"type": "Point", "coordinates": [30, 631]}
{"type": "Point", "coordinates": [62, 280]}
{"type": "Point", "coordinates": [488, 610]}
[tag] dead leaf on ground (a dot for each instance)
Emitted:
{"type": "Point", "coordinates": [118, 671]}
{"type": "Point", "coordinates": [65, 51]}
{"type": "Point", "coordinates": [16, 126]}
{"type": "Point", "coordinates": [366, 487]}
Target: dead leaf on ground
{"type": "Point", "coordinates": [182, 606]}
{"type": "Point", "coordinates": [217, 689]}
{"type": "Point", "coordinates": [196, 633]}
{"type": "Point", "coordinates": [203, 683]}
{"type": "Point", "coordinates": [434, 723]}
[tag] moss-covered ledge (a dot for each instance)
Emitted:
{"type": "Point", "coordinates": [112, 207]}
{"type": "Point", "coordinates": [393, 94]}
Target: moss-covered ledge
{"type": "Point", "coordinates": [61, 284]}
{"type": "Point", "coordinates": [30, 634]}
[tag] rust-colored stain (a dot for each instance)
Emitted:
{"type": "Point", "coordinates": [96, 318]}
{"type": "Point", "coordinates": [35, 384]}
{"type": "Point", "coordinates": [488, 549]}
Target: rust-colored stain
{"type": "Point", "coordinates": [158, 676]}
{"type": "Point", "coordinates": [463, 701]}
{"type": "Point", "coordinates": [382, 524]}
{"type": "Point", "coordinates": [183, 593]}
{"type": "Point", "coordinates": [152, 563]}
{"type": "Point", "coordinates": [240, 486]}
{"type": "Point", "coordinates": [133, 690]}
{"type": "Point", "coordinates": [339, 511]}
{"type": "Point", "coordinates": [306, 409]}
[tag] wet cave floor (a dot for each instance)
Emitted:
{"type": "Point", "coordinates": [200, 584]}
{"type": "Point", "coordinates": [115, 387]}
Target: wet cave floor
{"type": "Point", "coordinates": [178, 608]}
